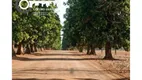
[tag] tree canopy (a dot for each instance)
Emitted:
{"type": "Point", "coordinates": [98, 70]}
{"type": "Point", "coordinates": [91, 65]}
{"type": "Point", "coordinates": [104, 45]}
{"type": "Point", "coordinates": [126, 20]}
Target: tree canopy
{"type": "Point", "coordinates": [36, 29]}
{"type": "Point", "coordinates": [97, 24]}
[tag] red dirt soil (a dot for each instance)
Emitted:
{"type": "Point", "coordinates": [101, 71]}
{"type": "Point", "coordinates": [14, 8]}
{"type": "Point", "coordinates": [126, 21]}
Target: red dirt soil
{"type": "Point", "coordinates": [70, 65]}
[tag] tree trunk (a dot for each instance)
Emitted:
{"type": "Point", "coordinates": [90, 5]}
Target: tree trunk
{"type": "Point", "coordinates": [88, 49]}
{"type": "Point", "coordinates": [35, 48]}
{"type": "Point", "coordinates": [40, 49]}
{"type": "Point", "coordinates": [13, 51]}
{"type": "Point", "coordinates": [32, 47]}
{"type": "Point", "coordinates": [115, 51]}
{"type": "Point", "coordinates": [28, 50]}
{"type": "Point", "coordinates": [19, 50]}
{"type": "Point", "coordinates": [93, 50]}
{"type": "Point", "coordinates": [108, 54]}
{"type": "Point", "coordinates": [80, 49]}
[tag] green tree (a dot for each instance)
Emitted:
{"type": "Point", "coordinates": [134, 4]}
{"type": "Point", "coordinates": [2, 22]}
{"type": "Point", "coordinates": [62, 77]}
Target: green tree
{"type": "Point", "coordinates": [33, 31]}
{"type": "Point", "coordinates": [98, 24]}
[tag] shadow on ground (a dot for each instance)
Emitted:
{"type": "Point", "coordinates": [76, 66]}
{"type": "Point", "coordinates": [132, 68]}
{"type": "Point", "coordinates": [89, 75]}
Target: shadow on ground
{"type": "Point", "coordinates": [25, 79]}
{"type": "Point", "coordinates": [64, 79]}
{"type": "Point", "coordinates": [39, 54]}
{"type": "Point", "coordinates": [122, 79]}
{"type": "Point", "coordinates": [60, 70]}
{"type": "Point", "coordinates": [64, 59]}
{"type": "Point", "coordinates": [36, 79]}
{"type": "Point", "coordinates": [85, 79]}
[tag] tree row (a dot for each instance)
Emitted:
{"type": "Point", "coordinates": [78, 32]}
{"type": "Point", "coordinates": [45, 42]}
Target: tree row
{"type": "Point", "coordinates": [37, 29]}
{"type": "Point", "coordinates": [103, 24]}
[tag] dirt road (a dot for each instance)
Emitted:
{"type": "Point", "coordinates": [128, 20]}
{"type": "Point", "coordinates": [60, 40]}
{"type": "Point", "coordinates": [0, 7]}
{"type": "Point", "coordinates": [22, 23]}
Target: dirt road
{"type": "Point", "coordinates": [60, 65]}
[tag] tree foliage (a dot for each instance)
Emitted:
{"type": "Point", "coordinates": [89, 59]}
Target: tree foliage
{"type": "Point", "coordinates": [32, 31]}
{"type": "Point", "coordinates": [97, 24]}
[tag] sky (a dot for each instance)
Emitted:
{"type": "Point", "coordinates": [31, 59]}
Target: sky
{"type": "Point", "coordinates": [61, 10]}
